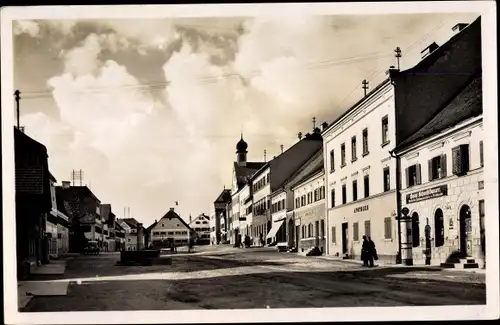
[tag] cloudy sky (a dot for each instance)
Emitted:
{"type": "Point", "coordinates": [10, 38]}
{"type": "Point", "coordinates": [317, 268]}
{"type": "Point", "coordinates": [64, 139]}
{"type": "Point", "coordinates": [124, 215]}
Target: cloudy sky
{"type": "Point", "coordinates": [151, 110]}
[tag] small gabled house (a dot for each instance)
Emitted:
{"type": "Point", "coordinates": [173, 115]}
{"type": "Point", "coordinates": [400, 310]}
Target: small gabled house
{"type": "Point", "coordinates": [201, 225]}
{"type": "Point", "coordinates": [133, 233]}
{"type": "Point", "coordinates": [147, 235]}
{"type": "Point", "coordinates": [219, 225]}
{"type": "Point", "coordinates": [171, 229]}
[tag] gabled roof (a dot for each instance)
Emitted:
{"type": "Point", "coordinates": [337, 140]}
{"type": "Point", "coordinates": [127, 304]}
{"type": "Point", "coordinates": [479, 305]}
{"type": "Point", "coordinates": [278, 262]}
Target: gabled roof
{"type": "Point", "coordinates": [467, 104]}
{"type": "Point", "coordinates": [152, 225]}
{"type": "Point", "coordinates": [172, 214]}
{"type": "Point", "coordinates": [70, 201]}
{"type": "Point", "coordinates": [317, 165]}
{"type": "Point", "coordinates": [27, 144]}
{"type": "Point", "coordinates": [224, 197]}
{"type": "Point", "coordinates": [131, 222]}
{"type": "Point", "coordinates": [244, 173]}
{"type": "Point", "coordinates": [284, 165]}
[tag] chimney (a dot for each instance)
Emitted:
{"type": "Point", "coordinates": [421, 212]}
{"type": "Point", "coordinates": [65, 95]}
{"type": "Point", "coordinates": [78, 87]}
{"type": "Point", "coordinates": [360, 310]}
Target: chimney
{"type": "Point", "coordinates": [299, 135]}
{"type": "Point", "coordinates": [428, 50]}
{"type": "Point", "coordinates": [190, 219]}
{"type": "Point", "coordinates": [391, 70]}
{"type": "Point", "coordinates": [324, 126]}
{"type": "Point", "coordinates": [459, 27]}
{"type": "Point", "coordinates": [172, 209]}
{"type": "Point", "coordinates": [66, 184]}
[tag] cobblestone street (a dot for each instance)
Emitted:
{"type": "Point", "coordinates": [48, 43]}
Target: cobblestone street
{"type": "Point", "coordinates": [252, 278]}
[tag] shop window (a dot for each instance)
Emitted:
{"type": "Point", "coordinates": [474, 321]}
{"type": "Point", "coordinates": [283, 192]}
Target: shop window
{"type": "Point", "coordinates": [332, 194]}
{"type": "Point", "coordinates": [353, 149]}
{"type": "Point", "coordinates": [334, 236]}
{"type": "Point", "coordinates": [366, 181]}
{"type": "Point", "coordinates": [387, 179]}
{"type": "Point", "coordinates": [368, 228]}
{"type": "Point", "coordinates": [413, 175]}
{"type": "Point", "coordinates": [365, 142]}
{"type": "Point", "coordinates": [385, 130]}
{"type": "Point", "coordinates": [342, 155]}
{"type": "Point", "coordinates": [344, 194]}
{"type": "Point", "coordinates": [332, 161]}
{"type": "Point", "coordinates": [437, 167]}
{"type": "Point", "coordinates": [415, 229]}
{"type": "Point", "coordinates": [355, 231]}
{"type": "Point", "coordinates": [439, 228]}
{"type": "Point", "coordinates": [354, 190]}
{"type": "Point", "coordinates": [481, 157]}
{"type": "Point", "coordinates": [460, 157]}
{"type": "Point", "coordinates": [388, 228]}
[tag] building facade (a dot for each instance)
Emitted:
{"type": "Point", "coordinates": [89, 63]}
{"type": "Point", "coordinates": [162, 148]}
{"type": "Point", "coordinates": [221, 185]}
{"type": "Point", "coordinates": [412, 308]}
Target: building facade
{"type": "Point", "coordinates": [219, 223]}
{"type": "Point", "coordinates": [201, 226]}
{"type": "Point", "coordinates": [309, 212]}
{"type": "Point", "coordinates": [360, 177]}
{"type": "Point", "coordinates": [170, 230]}
{"type": "Point", "coordinates": [277, 234]}
{"type": "Point", "coordinates": [261, 216]}
{"type": "Point", "coordinates": [444, 183]}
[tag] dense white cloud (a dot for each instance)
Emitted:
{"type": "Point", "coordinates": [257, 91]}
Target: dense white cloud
{"type": "Point", "coordinates": [146, 154]}
{"type": "Point", "coordinates": [26, 27]}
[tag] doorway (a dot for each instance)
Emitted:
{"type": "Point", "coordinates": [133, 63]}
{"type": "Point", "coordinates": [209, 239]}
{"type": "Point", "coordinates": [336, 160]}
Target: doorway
{"type": "Point", "coordinates": [290, 233]}
{"type": "Point", "coordinates": [316, 242]}
{"type": "Point", "coordinates": [297, 232]}
{"type": "Point", "coordinates": [465, 231]}
{"type": "Point", "coordinates": [345, 238]}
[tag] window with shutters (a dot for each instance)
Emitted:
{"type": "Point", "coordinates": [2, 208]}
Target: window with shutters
{"type": "Point", "coordinates": [332, 197]}
{"type": "Point", "coordinates": [342, 155]}
{"type": "Point", "coordinates": [310, 230]}
{"type": "Point", "coordinates": [366, 181]}
{"type": "Point", "coordinates": [460, 157]}
{"type": "Point", "coordinates": [353, 149]}
{"type": "Point", "coordinates": [315, 195]}
{"type": "Point", "coordinates": [437, 167]}
{"type": "Point", "coordinates": [332, 161]}
{"type": "Point", "coordinates": [334, 235]}
{"type": "Point", "coordinates": [387, 179]}
{"type": "Point", "coordinates": [354, 190]}
{"type": "Point", "coordinates": [481, 157]}
{"type": "Point", "coordinates": [367, 228]}
{"type": "Point", "coordinates": [388, 228]}
{"type": "Point", "coordinates": [413, 175]}
{"type": "Point", "coordinates": [355, 231]}
{"type": "Point", "coordinates": [344, 194]}
{"type": "Point", "coordinates": [365, 142]}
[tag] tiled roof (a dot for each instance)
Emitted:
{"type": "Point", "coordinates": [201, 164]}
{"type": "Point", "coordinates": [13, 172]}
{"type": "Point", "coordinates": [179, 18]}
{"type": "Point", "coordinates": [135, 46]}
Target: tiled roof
{"type": "Point", "coordinates": [224, 197]}
{"type": "Point", "coordinates": [317, 165]}
{"type": "Point", "coordinates": [29, 179]}
{"type": "Point", "coordinates": [131, 222]}
{"type": "Point", "coordinates": [72, 201]}
{"type": "Point", "coordinates": [152, 226]}
{"type": "Point", "coordinates": [173, 214]}
{"type": "Point", "coordinates": [467, 104]}
{"type": "Point", "coordinates": [243, 173]}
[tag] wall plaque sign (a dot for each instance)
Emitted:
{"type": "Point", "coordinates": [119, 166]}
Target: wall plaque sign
{"type": "Point", "coordinates": [427, 194]}
{"type": "Point", "coordinates": [361, 209]}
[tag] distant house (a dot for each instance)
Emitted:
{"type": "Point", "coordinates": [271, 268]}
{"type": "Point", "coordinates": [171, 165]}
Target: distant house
{"type": "Point", "coordinates": [171, 229]}
{"type": "Point", "coordinates": [33, 201]}
{"type": "Point", "coordinates": [56, 225]}
{"type": "Point", "coordinates": [108, 221]}
{"type": "Point", "coordinates": [83, 209]}
{"type": "Point", "coordinates": [201, 225]}
{"type": "Point", "coordinates": [119, 237]}
{"type": "Point", "coordinates": [131, 225]}
{"type": "Point", "coordinates": [147, 235]}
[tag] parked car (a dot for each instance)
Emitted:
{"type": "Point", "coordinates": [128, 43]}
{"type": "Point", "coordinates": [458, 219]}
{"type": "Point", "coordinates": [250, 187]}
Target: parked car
{"type": "Point", "coordinates": [92, 248]}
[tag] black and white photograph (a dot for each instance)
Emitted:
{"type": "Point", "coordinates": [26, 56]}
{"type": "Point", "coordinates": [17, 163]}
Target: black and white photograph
{"type": "Point", "coordinates": [253, 162]}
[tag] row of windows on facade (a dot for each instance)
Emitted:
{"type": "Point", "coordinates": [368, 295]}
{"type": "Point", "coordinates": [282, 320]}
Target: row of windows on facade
{"type": "Point", "coordinates": [261, 206]}
{"type": "Point", "coordinates": [354, 152]}
{"type": "Point", "coordinates": [261, 183]}
{"type": "Point", "coordinates": [357, 236]}
{"type": "Point", "coordinates": [278, 206]}
{"type": "Point", "coordinates": [203, 222]}
{"type": "Point", "coordinates": [163, 233]}
{"type": "Point", "coordinates": [311, 197]}
{"type": "Point", "coordinates": [366, 187]}
{"type": "Point", "coordinates": [437, 165]}
{"type": "Point", "coordinates": [202, 229]}
{"type": "Point", "coordinates": [310, 231]}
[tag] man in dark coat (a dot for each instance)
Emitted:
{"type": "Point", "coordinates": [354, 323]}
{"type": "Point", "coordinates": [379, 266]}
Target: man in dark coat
{"type": "Point", "coordinates": [365, 251]}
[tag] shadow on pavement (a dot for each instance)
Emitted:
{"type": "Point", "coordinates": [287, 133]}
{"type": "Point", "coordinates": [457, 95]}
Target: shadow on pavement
{"type": "Point", "coordinates": [276, 289]}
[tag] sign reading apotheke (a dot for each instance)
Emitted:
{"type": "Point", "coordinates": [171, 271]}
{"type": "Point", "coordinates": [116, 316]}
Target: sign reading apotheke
{"type": "Point", "coordinates": [427, 194]}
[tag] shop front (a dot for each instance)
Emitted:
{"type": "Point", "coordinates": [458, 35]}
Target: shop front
{"type": "Point", "coordinates": [310, 229]}
{"type": "Point", "coordinates": [374, 217]}
{"type": "Point", "coordinates": [445, 218]}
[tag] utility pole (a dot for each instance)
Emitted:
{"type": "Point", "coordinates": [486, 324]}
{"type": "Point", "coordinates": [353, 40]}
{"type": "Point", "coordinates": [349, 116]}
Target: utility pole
{"type": "Point", "coordinates": [397, 54]}
{"type": "Point", "coordinates": [365, 86]}
{"type": "Point", "coordinates": [17, 97]}
{"type": "Point", "coordinates": [264, 155]}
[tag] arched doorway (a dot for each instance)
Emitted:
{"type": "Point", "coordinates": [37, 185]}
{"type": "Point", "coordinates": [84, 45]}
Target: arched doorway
{"type": "Point", "coordinates": [290, 232]}
{"type": "Point", "coordinates": [415, 227]}
{"type": "Point", "coordinates": [438, 228]}
{"type": "Point", "coordinates": [465, 230]}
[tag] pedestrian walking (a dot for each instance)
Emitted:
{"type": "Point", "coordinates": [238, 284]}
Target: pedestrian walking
{"type": "Point", "coordinates": [261, 240]}
{"type": "Point", "coordinates": [373, 251]}
{"type": "Point", "coordinates": [367, 251]}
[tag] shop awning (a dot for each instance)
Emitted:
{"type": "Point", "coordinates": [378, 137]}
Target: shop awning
{"type": "Point", "coordinates": [274, 229]}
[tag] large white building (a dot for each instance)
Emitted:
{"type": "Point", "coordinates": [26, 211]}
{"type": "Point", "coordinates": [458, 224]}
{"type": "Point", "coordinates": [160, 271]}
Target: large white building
{"type": "Point", "coordinates": [443, 190]}
{"type": "Point", "coordinates": [261, 217]}
{"type": "Point", "coordinates": [360, 177]}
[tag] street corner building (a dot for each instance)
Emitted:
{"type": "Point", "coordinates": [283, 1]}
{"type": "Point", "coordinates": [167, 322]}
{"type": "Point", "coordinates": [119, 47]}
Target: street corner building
{"type": "Point", "coordinates": [171, 230]}
{"type": "Point", "coordinates": [219, 217]}
{"type": "Point", "coordinates": [363, 171]}
{"type": "Point", "coordinates": [444, 184]}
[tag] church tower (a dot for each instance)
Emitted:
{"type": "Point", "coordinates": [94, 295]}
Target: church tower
{"type": "Point", "coordinates": [241, 152]}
